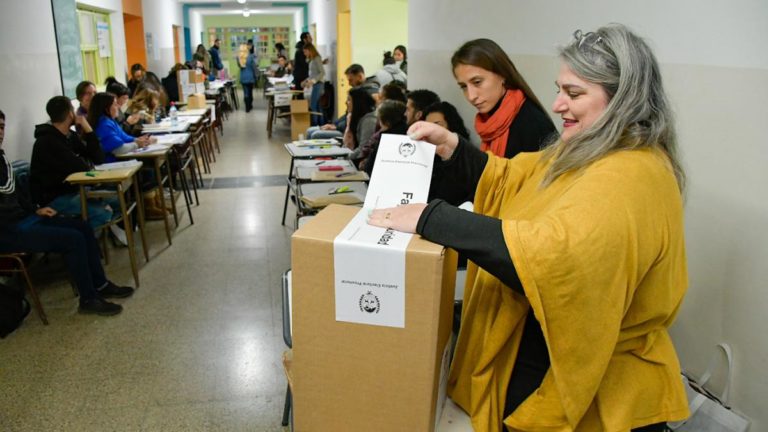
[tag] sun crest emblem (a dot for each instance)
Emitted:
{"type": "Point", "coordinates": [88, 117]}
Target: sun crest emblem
{"type": "Point", "coordinates": [369, 303]}
{"type": "Point", "coordinates": [407, 149]}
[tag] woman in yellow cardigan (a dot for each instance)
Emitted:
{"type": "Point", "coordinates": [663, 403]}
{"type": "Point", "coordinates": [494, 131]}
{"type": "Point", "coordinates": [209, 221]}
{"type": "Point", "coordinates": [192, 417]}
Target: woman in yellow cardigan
{"type": "Point", "coordinates": [577, 255]}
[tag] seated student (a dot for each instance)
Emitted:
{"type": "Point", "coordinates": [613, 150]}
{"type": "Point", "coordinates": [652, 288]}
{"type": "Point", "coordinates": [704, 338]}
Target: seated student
{"type": "Point", "coordinates": [356, 78]}
{"type": "Point", "coordinates": [132, 123]}
{"type": "Point", "coordinates": [390, 71]}
{"type": "Point", "coordinates": [393, 91]}
{"type": "Point", "coordinates": [145, 102]}
{"type": "Point", "coordinates": [59, 152]}
{"type": "Point", "coordinates": [280, 70]}
{"type": "Point", "coordinates": [391, 119]}
{"type": "Point", "coordinates": [138, 76]}
{"type": "Point", "coordinates": [361, 121]}
{"type": "Point", "coordinates": [84, 92]}
{"type": "Point", "coordinates": [114, 141]}
{"type": "Point", "coordinates": [24, 229]}
{"type": "Point", "coordinates": [418, 102]}
{"type": "Point", "coordinates": [148, 80]}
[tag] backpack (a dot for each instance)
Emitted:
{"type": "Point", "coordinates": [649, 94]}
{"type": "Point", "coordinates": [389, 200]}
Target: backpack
{"type": "Point", "coordinates": [13, 309]}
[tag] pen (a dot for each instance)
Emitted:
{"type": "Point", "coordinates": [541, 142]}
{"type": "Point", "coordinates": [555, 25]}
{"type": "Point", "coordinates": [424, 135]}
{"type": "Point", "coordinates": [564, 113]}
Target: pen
{"type": "Point", "coordinates": [344, 174]}
{"type": "Point", "coordinates": [320, 163]}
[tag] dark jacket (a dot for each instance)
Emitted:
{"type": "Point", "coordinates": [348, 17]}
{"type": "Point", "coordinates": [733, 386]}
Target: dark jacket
{"type": "Point", "coordinates": [12, 207]}
{"type": "Point", "coordinates": [216, 63]}
{"type": "Point", "coordinates": [398, 129]}
{"type": "Point", "coordinates": [529, 132]}
{"type": "Point", "coordinates": [55, 156]}
{"type": "Point", "coordinates": [300, 65]}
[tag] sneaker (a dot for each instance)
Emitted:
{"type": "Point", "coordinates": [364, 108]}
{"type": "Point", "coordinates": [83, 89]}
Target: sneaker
{"type": "Point", "coordinates": [119, 234]}
{"type": "Point", "coordinates": [99, 307]}
{"type": "Point", "coordinates": [114, 291]}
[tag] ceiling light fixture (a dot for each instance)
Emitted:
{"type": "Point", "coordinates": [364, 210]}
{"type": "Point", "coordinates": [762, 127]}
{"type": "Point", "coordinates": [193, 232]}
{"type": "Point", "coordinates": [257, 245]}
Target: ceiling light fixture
{"type": "Point", "coordinates": [241, 1]}
{"type": "Point", "coordinates": [246, 13]}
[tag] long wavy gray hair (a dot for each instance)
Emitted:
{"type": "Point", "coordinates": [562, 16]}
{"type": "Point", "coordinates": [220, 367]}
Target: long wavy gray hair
{"type": "Point", "coordinates": [638, 114]}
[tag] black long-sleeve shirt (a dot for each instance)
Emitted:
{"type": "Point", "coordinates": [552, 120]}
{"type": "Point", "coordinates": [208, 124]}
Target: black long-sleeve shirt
{"type": "Point", "coordinates": [55, 156]}
{"type": "Point", "coordinates": [481, 240]}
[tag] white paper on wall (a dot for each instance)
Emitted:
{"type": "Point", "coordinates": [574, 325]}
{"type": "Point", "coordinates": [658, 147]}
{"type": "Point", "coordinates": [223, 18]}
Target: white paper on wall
{"type": "Point", "coordinates": [102, 31]}
{"type": "Point", "coordinates": [369, 262]}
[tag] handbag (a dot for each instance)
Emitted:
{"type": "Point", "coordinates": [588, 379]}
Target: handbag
{"type": "Point", "coordinates": [710, 413]}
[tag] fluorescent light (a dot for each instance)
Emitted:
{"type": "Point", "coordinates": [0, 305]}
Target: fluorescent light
{"type": "Point", "coordinates": [241, 1]}
{"type": "Point", "coordinates": [246, 13]}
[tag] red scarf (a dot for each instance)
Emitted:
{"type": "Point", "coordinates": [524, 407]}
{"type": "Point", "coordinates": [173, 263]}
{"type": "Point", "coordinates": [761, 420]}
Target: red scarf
{"type": "Point", "coordinates": [494, 129]}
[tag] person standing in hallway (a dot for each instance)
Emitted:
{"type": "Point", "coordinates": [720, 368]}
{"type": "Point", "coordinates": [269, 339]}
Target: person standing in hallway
{"type": "Point", "coordinates": [401, 58]}
{"type": "Point", "coordinates": [300, 66]}
{"type": "Point", "coordinates": [577, 257]}
{"type": "Point", "coordinates": [316, 81]}
{"type": "Point", "coordinates": [23, 228]}
{"type": "Point", "coordinates": [510, 119]}
{"type": "Point", "coordinates": [216, 64]}
{"type": "Point", "coordinates": [249, 74]}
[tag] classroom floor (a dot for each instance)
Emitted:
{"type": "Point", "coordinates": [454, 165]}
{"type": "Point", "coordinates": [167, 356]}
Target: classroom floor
{"type": "Point", "coordinates": [198, 346]}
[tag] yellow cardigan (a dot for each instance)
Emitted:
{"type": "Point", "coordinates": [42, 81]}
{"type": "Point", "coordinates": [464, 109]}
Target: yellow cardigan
{"type": "Point", "coordinates": [601, 257]}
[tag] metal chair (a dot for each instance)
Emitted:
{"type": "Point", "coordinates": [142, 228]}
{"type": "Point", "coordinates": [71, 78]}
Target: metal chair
{"type": "Point", "coordinates": [18, 258]}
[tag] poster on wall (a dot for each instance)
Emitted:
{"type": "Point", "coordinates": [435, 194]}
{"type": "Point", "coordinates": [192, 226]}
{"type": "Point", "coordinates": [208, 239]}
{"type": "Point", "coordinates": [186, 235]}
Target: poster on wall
{"type": "Point", "coordinates": [102, 31]}
{"type": "Point", "coordinates": [150, 42]}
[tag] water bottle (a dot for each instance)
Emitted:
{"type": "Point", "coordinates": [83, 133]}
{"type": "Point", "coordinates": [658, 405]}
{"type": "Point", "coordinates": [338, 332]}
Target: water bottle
{"type": "Point", "coordinates": [174, 115]}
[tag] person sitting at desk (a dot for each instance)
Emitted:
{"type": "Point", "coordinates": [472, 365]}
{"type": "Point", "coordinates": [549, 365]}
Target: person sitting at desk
{"type": "Point", "coordinates": [26, 229]}
{"type": "Point", "coordinates": [59, 152]}
{"type": "Point", "coordinates": [146, 103]}
{"type": "Point", "coordinates": [171, 82]}
{"type": "Point", "coordinates": [361, 122]}
{"type": "Point", "coordinates": [280, 70]}
{"type": "Point", "coordinates": [114, 142]}
{"type": "Point", "coordinates": [391, 119]}
{"type": "Point", "coordinates": [132, 123]}
{"type": "Point", "coordinates": [84, 92]}
{"type": "Point", "coordinates": [355, 74]}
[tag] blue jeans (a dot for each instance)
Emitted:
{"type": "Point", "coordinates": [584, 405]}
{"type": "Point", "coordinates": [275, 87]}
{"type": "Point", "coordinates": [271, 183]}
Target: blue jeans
{"type": "Point", "coordinates": [98, 212]}
{"type": "Point", "coordinates": [314, 103]}
{"type": "Point", "coordinates": [314, 132]}
{"type": "Point", "coordinates": [69, 236]}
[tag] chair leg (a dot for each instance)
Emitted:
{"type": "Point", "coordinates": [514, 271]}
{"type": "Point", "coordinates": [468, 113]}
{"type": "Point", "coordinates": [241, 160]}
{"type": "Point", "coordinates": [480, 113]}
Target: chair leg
{"type": "Point", "coordinates": [287, 407]}
{"type": "Point", "coordinates": [32, 291]}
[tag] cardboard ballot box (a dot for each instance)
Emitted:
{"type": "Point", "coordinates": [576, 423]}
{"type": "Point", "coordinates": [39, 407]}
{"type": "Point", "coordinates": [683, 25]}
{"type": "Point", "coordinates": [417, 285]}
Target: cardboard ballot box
{"type": "Point", "coordinates": [299, 117]}
{"type": "Point", "coordinates": [359, 377]}
{"type": "Point", "coordinates": [190, 82]}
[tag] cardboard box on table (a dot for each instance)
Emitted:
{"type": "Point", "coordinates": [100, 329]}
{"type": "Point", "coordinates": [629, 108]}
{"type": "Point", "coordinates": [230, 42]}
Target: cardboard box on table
{"type": "Point", "coordinates": [357, 377]}
{"type": "Point", "coordinates": [196, 101]}
{"type": "Point", "coordinates": [190, 82]}
{"type": "Point", "coordinates": [299, 117]}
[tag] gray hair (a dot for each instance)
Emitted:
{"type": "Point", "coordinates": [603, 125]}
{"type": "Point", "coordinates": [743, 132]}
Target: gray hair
{"type": "Point", "coordinates": [638, 114]}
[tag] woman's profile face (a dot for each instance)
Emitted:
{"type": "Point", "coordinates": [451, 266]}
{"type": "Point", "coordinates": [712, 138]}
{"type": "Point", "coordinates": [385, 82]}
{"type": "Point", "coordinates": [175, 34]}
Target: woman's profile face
{"type": "Point", "coordinates": [482, 88]}
{"type": "Point", "coordinates": [437, 118]}
{"type": "Point", "coordinates": [580, 103]}
{"type": "Point", "coordinates": [398, 55]}
{"type": "Point", "coordinates": [114, 108]}
{"type": "Point", "coordinates": [122, 100]}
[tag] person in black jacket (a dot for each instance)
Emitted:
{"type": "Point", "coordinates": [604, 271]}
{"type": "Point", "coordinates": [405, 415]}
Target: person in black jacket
{"type": "Point", "coordinates": [26, 229]}
{"type": "Point", "coordinates": [59, 152]}
{"type": "Point", "coordinates": [300, 65]}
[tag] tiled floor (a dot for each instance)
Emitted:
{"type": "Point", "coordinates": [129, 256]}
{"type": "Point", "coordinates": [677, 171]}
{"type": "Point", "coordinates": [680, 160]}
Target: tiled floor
{"type": "Point", "coordinates": [198, 347]}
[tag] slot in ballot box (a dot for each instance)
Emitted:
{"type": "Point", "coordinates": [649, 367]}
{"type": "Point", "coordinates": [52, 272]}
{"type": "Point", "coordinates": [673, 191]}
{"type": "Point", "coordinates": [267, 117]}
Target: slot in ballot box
{"type": "Point", "coordinates": [349, 376]}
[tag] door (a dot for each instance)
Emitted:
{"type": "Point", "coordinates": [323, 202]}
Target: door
{"type": "Point", "coordinates": [176, 48]}
{"type": "Point", "coordinates": [343, 59]}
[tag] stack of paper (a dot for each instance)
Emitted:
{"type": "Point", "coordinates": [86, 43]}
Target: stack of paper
{"type": "Point", "coordinates": [117, 165]}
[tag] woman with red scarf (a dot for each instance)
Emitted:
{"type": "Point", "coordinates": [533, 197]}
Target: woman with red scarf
{"type": "Point", "coordinates": [510, 119]}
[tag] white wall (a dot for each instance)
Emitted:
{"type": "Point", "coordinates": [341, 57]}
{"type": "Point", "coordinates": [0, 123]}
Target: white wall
{"type": "Point", "coordinates": [119, 52]}
{"type": "Point", "coordinates": [195, 28]}
{"type": "Point", "coordinates": [715, 65]}
{"type": "Point", "coordinates": [29, 71]}
{"type": "Point", "coordinates": [378, 27]}
{"type": "Point", "coordinates": [159, 18]}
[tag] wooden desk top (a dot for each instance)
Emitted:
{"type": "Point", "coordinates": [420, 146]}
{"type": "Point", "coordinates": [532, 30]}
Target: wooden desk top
{"type": "Point", "coordinates": [109, 176]}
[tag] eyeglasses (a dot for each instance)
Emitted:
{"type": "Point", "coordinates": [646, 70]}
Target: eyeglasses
{"type": "Point", "coordinates": [590, 38]}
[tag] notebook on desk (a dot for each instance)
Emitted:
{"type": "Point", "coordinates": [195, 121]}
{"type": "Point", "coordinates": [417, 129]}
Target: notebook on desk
{"type": "Point", "coordinates": [117, 165]}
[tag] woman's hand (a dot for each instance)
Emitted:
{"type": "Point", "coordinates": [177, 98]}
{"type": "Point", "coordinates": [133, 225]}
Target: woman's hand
{"type": "Point", "coordinates": [133, 118]}
{"type": "Point", "coordinates": [445, 140]}
{"type": "Point", "coordinates": [46, 212]}
{"type": "Point", "coordinates": [402, 218]}
{"type": "Point", "coordinates": [143, 141]}
{"type": "Point", "coordinates": [82, 121]}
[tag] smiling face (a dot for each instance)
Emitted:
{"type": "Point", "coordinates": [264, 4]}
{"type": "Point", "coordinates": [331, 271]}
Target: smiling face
{"type": "Point", "coordinates": [580, 103]}
{"type": "Point", "coordinates": [90, 91]}
{"type": "Point", "coordinates": [482, 88]}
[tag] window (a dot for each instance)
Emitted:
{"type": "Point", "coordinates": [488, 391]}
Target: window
{"type": "Point", "coordinates": [95, 45]}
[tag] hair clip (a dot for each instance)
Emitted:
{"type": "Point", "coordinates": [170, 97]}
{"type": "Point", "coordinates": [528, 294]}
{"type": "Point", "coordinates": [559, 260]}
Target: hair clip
{"type": "Point", "coordinates": [582, 37]}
